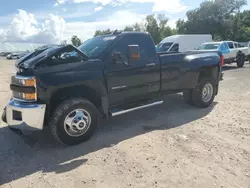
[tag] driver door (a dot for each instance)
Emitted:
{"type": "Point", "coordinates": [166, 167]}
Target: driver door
{"type": "Point", "coordinates": [131, 81]}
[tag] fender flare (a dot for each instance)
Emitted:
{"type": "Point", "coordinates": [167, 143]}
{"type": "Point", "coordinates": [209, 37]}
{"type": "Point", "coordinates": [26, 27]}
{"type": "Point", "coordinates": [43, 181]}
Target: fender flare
{"type": "Point", "coordinates": [98, 88]}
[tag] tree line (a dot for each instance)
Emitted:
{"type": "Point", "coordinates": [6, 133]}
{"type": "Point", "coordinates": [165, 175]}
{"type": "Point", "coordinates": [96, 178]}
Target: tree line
{"type": "Point", "coordinates": [222, 19]}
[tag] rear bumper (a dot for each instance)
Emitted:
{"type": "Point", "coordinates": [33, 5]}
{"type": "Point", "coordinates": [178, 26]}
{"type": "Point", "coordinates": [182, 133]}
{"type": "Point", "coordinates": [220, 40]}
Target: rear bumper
{"type": "Point", "coordinates": [25, 116]}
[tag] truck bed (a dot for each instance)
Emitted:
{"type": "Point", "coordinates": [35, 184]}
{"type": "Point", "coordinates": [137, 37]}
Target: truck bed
{"type": "Point", "coordinates": [180, 70]}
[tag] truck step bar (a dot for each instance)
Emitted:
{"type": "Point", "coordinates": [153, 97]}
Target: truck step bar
{"type": "Point", "coordinates": [124, 111]}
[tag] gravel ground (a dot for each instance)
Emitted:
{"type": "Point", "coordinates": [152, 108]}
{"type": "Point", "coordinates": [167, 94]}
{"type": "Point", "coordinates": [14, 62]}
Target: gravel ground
{"type": "Point", "coordinates": [171, 145]}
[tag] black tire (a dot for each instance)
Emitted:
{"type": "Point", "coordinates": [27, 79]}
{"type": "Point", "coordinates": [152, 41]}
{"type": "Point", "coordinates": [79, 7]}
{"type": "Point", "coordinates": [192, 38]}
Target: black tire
{"type": "Point", "coordinates": [57, 121]}
{"type": "Point", "coordinates": [240, 60]}
{"type": "Point", "coordinates": [187, 96]}
{"type": "Point", "coordinates": [4, 119]}
{"type": "Point", "coordinates": [197, 93]}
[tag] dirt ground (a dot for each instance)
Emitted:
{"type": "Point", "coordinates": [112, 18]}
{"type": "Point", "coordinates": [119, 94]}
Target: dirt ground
{"type": "Point", "coordinates": [171, 145]}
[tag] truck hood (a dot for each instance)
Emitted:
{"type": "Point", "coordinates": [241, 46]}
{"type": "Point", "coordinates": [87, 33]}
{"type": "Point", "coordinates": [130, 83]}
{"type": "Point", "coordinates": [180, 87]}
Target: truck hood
{"type": "Point", "coordinates": [206, 51]}
{"type": "Point", "coordinates": [35, 57]}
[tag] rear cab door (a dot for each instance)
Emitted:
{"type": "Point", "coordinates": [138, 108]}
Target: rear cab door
{"type": "Point", "coordinates": [131, 81]}
{"type": "Point", "coordinates": [233, 50]}
{"type": "Point", "coordinates": [225, 50]}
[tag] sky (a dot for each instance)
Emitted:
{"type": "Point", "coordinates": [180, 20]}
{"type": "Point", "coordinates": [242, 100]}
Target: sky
{"type": "Point", "coordinates": [51, 21]}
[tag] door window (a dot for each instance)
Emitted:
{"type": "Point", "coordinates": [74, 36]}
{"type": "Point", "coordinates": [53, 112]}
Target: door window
{"type": "Point", "coordinates": [175, 48]}
{"type": "Point", "coordinates": [231, 45]}
{"type": "Point", "coordinates": [147, 50]}
{"type": "Point", "coordinates": [163, 47]}
{"type": "Point", "coordinates": [241, 45]}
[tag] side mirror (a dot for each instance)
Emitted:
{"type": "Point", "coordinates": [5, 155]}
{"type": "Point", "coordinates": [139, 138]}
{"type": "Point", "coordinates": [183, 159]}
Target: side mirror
{"type": "Point", "coordinates": [133, 53]}
{"type": "Point", "coordinates": [116, 57]}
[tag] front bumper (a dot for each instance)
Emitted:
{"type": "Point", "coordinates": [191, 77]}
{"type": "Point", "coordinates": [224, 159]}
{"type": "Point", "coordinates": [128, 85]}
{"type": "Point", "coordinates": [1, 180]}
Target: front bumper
{"type": "Point", "coordinates": [25, 116]}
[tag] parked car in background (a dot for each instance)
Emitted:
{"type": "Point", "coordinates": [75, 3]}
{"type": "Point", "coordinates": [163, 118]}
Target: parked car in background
{"type": "Point", "coordinates": [182, 43]}
{"type": "Point", "coordinates": [4, 54]}
{"type": "Point", "coordinates": [236, 47]}
{"type": "Point", "coordinates": [16, 55]}
{"type": "Point", "coordinates": [12, 56]}
{"type": "Point", "coordinates": [232, 51]}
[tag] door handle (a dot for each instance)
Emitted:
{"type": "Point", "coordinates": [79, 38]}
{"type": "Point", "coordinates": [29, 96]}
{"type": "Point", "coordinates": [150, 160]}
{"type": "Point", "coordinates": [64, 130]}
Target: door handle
{"type": "Point", "coordinates": [150, 65]}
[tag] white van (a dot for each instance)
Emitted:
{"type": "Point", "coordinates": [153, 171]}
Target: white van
{"type": "Point", "coordinates": [182, 43]}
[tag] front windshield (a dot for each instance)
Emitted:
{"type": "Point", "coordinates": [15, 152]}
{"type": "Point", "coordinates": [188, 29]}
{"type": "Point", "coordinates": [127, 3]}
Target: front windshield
{"type": "Point", "coordinates": [164, 47]}
{"type": "Point", "coordinates": [95, 46]}
{"type": "Point", "coordinates": [210, 46]}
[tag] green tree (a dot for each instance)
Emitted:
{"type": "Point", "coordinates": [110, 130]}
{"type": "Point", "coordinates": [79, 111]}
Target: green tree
{"type": "Point", "coordinates": [153, 28]}
{"type": "Point", "coordinates": [102, 32]}
{"type": "Point", "coordinates": [76, 41]}
{"type": "Point", "coordinates": [181, 26]}
{"type": "Point", "coordinates": [156, 25]}
{"type": "Point", "coordinates": [214, 17]}
{"type": "Point", "coordinates": [241, 26]}
{"type": "Point", "coordinates": [129, 28]}
{"type": "Point", "coordinates": [139, 27]}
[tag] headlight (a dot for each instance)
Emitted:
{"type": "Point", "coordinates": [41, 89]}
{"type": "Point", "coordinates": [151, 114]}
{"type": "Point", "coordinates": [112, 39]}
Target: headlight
{"type": "Point", "coordinates": [24, 88]}
{"type": "Point", "coordinates": [31, 82]}
{"type": "Point", "coordinates": [29, 96]}
{"type": "Point", "coordinates": [24, 96]}
{"type": "Point", "coordinates": [24, 81]}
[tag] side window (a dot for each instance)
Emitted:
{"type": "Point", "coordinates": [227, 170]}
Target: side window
{"type": "Point", "coordinates": [147, 49]}
{"type": "Point", "coordinates": [230, 45]}
{"type": "Point", "coordinates": [65, 56]}
{"type": "Point", "coordinates": [122, 48]}
{"type": "Point", "coordinates": [241, 45]}
{"type": "Point", "coordinates": [236, 44]}
{"type": "Point", "coordinates": [175, 48]}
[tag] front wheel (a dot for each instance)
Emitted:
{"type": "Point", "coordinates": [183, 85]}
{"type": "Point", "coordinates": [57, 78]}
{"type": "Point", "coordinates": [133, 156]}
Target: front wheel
{"type": "Point", "coordinates": [74, 121]}
{"type": "Point", "coordinates": [204, 93]}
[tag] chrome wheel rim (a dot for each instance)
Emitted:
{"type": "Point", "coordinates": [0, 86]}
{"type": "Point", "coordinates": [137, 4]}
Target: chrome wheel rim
{"type": "Point", "coordinates": [207, 92]}
{"type": "Point", "coordinates": [77, 122]}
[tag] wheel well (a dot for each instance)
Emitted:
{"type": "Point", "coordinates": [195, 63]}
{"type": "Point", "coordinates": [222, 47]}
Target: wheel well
{"type": "Point", "coordinates": [76, 91]}
{"type": "Point", "coordinates": [240, 53]}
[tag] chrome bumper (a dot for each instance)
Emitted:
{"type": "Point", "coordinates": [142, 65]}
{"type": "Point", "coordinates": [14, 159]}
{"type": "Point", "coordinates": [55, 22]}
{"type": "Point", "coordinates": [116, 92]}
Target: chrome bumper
{"type": "Point", "coordinates": [25, 116]}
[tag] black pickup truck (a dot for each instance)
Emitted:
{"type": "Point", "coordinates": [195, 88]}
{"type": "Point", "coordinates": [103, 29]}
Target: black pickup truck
{"type": "Point", "coordinates": [68, 88]}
